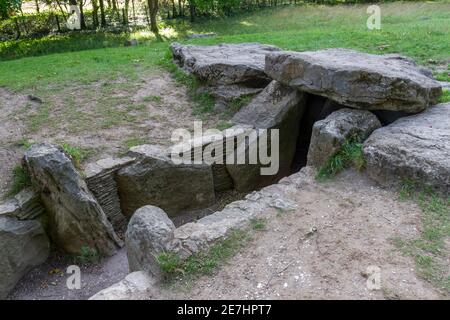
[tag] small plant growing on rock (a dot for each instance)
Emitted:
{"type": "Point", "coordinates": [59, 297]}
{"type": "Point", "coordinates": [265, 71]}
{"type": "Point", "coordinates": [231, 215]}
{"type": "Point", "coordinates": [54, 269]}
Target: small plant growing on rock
{"type": "Point", "coordinates": [78, 155]}
{"type": "Point", "coordinates": [350, 154]}
{"type": "Point", "coordinates": [87, 255]}
{"type": "Point", "coordinates": [21, 180]}
{"type": "Point", "coordinates": [169, 262]}
{"type": "Point", "coordinates": [258, 224]}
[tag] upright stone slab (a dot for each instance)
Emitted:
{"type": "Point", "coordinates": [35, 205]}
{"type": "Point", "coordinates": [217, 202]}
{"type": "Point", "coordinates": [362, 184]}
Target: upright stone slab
{"type": "Point", "coordinates": [23, 245]}
{"type": "Point", "coordinates": [329, 135]}
{"type": "Point", "coordinates": [75, 217]}
{"type": "Point", "coordinates": [276, 107]}
{"type": "Point", "coordinates": [415, 147]}
{"type": "Point", "coordinates": [355, 79]}
{"type": "Point", "coordinates": [148, 233]}
{"type": "Point", "coordinates": [225, 64]}
{"type": "Point", "coordinates": [155, 180]}
{"type": "Point", "coordinates": [100, 179]}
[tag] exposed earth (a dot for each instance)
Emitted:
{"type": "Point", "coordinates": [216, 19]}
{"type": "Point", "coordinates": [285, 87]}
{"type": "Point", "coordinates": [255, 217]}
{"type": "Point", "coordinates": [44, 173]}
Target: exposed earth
{"type": "Point", "coordinates": [356, 223]}
{"type": "Point", "coordinates": [102, 119]}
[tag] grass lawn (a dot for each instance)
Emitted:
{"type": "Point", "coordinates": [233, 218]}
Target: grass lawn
{"type": "Point", "coordinates": [420, 30]}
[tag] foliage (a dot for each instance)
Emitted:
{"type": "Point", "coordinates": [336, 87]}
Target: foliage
{"type": "Point", "coordinates": [9, 6]}
{"type": "Point", "coordinates": [21, 180]}
{"type": "Point", "coordinates": [203, 262]}
{"type": "Point", "coordinates": [445, 96]}
{"type": "Point", "coordinates": [77, 154]}
{"type": "Point", "coordinates": [87, 255]}
{"type": "Point", "coordinates": [350, 154]}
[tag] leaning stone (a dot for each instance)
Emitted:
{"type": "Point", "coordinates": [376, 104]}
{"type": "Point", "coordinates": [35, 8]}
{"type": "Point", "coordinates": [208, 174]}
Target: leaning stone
{"type": "Point", "coordinates": [276, 107]}
{"type": "Point", "coordinates": [137, 285]}
{"type": "Point", "coordinates": [415, 147]}
{"type": "Point", "coordinates": [148, 233]}
{"type": "Point", "coordinates": [329, 135]}
{"type": "Point", "coordinates": [225, 64]}
{"type": "Point", "coordinates": [75, 218]}
{"type": "Point", "coordinates": [23, 245]}
{"type": "Point", "coordinates": [355, 79]}
{"type": "Point", "coordinates": [155, 179]}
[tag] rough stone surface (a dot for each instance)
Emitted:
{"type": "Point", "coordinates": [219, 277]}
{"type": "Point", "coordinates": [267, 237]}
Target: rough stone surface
{"type": "Point", "coordinates": [23, 245]}
{"type": "Point", "coordinates": [355, 79]}
{"type": "Point", "coordinates": [329, 134]}
{"type": "Point", "coordinates": [100, 179]}
{"type": "Point", "coordinates": [276, 107]}
{"type": "Point", "coordinates": [196, 236]}
{"type": "Point", "coordinates": [148, 233]}
{"type": "Point", "coordinates": [137, 285]}
{"type": "Point", "coordinates": [225, 64]}
{"type": "Point", "coordinates": [75, 218]}
{"type": "Point", "coordinates": [25, 205]}
{"type": "Point", "coordinates": [156, 180]}
{"type": "Point", "coordinates": [416, 147]}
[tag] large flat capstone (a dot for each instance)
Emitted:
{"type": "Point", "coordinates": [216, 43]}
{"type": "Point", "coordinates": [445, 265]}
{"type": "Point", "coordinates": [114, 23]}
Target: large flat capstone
{"type": "Point", "coordinates": [75, 218]}
{"type": "Point", "coordinates": [415, 147]}
{"type": "Point", "coordinates": [225, 64]}
{"type": "Point", "coordinates": [355, 79]}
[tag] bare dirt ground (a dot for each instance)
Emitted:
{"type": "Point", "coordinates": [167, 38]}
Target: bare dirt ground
{"type": "Point", "coordinates": [103, 119]}
{"type": "Point", "coordinates": [356, 222]}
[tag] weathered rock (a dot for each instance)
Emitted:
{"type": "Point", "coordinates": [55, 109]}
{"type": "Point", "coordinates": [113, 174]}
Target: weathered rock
{"type": "Point", "coordinates": [29, 203]}
{"type": "Point", "coordinates": [355, 79]}
{"type": "Point", "coordinates": [328, 135]}
{"type": "Point", "coordinates": [415, 147]}
{"type": "Point", "coordinates": [25, 205]}
{"type": "Point", "coordinates": [148, 233]}
{"type": "Point", "coordinates": [225, 64]}
{"type": "Point", "coordinates": [231, 93]}
{"type": "Point", "coordinates": [75, 218]}
{"type": "Point", "coordinates": [100, 179]}
{"type": "Point", "coordinates": [201, 35]}
{"type": "Point", "coordinates": [23, 245]}
{"type": "Point", "coordinates": [137, 285]}
{"type": "Point", "coordinates": [276, 107]}
{"type": "Point", "coordinates": [156, 180]}
{"type": "Point", "coordinates": [9, 208]}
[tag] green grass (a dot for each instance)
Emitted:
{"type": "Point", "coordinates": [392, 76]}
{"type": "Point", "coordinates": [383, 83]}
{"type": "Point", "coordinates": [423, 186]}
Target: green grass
{"type": "Point", "coordinates": [152, 98]}
{"type": "Point", "coordinates": [429, 250]}
{"type": "Point", "coordinates": [418, 30]}
{"type": "Point", "coordinates": [77, 154]}
{"type": "Point", "coordinates": [203, 101]}
{"type": "Point", "coordinates": [258, 224]}
{"type": "Point", "coordinates": [203, 262]}
{"type": "Point", "coordinates": [21, 180]}
{"type": "Point", "coordinates": [135, 141]}
{"type": "Point", "coordinates": [350, 155]}
{"type": "Point", "coordinates": [445, 96]}
{"type": "Point", "coordinates": [86, 256]}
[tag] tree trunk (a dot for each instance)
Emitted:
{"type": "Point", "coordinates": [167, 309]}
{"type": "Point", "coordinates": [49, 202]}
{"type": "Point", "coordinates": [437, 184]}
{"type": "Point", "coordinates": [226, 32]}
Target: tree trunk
{"type": "Point", "coordinates": [37, 6]}
{"type": "Point", "coordinates": [82, 21]}
{"type": "Point", "coordinates": [102, 13]}
{"type": "Point", "coordinates": [153, 11]}
{"type": "Point", "coordinates": [95, 13]}
{"type": "Point", "coordinates": [191, 11]}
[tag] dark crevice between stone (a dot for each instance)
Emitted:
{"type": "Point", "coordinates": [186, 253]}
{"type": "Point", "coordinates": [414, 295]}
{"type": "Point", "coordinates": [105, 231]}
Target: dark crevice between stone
{"type": "Point", "coordinates": [317, 108]}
